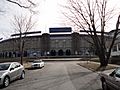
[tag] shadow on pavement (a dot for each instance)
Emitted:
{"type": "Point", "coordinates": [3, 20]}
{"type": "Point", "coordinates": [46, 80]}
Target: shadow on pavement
{"type": "Point", "coordinates": [33, 68]}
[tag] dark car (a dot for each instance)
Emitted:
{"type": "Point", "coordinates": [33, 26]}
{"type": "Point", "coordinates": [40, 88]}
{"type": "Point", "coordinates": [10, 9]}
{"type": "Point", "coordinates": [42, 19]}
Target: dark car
{"type": "Point", "coordinates": [111, 81]}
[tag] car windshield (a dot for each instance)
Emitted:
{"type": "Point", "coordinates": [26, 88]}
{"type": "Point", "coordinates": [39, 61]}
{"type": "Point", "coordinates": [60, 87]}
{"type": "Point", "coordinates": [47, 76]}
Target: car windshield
{"type": "Point", "coordinates": [4, 66]}
{"type": "Point", "coordinates": [36, 61]}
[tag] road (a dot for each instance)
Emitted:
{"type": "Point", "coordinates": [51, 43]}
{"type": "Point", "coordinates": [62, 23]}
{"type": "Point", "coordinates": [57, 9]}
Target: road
{"type": "Point", "coordinates": [58, 76]}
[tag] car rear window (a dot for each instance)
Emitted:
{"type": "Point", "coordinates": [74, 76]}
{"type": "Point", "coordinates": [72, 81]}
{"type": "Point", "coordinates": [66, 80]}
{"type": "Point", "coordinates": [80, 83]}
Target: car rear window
{"type": "Point", "coordinates": [37, 61]}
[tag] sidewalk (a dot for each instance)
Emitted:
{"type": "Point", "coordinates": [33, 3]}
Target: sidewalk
{"type": "Point", "coordinates": [85, 79]}
{"type": "Point", "coordinates": [62, 59]}
{"type": "Point", "coordinates": [92, 81]}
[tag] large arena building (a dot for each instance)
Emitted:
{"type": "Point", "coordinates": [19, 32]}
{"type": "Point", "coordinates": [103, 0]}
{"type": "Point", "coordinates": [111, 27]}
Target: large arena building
{"type": "Point", "coordinates": [59, 42]}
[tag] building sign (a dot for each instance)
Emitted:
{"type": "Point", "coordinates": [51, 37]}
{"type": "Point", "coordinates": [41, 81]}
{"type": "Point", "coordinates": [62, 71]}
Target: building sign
{"type": "Point", "coordinates": [60, 30]}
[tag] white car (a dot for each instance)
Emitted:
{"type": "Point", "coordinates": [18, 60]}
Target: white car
{"type": "Point", "coordinates": [37, 64]}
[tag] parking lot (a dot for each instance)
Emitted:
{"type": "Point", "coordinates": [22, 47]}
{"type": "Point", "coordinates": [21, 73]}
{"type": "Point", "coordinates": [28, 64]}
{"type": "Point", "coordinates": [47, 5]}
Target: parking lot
{"type": "Point", "coordinates": [58, 76]}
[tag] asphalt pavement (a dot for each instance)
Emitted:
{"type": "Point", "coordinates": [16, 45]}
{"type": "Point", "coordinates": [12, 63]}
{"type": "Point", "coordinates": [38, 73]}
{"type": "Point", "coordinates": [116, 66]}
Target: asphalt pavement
{"type": "Point", "coordinates": [58, 76]}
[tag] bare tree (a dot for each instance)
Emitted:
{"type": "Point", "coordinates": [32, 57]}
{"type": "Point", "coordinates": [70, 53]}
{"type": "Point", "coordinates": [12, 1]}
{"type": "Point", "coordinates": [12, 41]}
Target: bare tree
{"type": "Point", "coordinates": [27, 4]}
{"type": "Point", "coordinates": [92, 16]}
{"type": "Point", "coordinates": [22, 25]}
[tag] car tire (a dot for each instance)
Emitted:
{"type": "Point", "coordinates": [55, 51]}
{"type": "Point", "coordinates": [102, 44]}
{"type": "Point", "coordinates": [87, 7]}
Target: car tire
{"type": "Point", "coordinates": [6, 81]}
{"type": "Point", "coordinates": [104, 85]}
{"type": "Point", "coordinates": [22, 75]}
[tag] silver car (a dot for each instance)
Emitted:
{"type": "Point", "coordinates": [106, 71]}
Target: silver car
{"type": "Point", "coordinates": [10, 71]}
{"type": "Point", "coordinates": [111, 80]}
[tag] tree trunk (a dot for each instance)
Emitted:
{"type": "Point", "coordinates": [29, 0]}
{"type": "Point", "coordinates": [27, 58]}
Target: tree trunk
{"type": "Point", "coordinates": [21, 49]}
{"type": "Point", "coordinates": [21, 57]}
{"type": "Point", "coordinates": [103, 61]}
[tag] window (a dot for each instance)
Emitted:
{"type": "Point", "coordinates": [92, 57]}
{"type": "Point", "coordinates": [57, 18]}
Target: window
{"type": "Point", "coordinates": [4, 66]}
{"type": "Point", "coordinates": [114, 48]}
{"type": "Point", "coordinates": [119, 46]}
{"type": "Point", "coordinates": [17, 65]}
{"type": "Point", "coordinates": [118, 73]}
{"type": "Point", "coordinates": [13, 66]}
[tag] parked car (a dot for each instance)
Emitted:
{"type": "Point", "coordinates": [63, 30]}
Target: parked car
{"type": "Point", "coordinates": [111, 80]}
{"type": "Point", "coordinates": [37, 64]}
{"type": "Point", "coordinates": [10, 71]}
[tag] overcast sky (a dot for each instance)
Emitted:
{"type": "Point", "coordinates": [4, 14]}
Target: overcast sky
{"type": "Point", "coordinates": [49, 15]}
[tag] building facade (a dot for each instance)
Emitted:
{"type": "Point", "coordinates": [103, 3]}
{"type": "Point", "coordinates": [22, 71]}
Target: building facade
{"type": "Point", "coordinates": [55, 43]}
{"type": "Point", "coordinates": [48, 45]}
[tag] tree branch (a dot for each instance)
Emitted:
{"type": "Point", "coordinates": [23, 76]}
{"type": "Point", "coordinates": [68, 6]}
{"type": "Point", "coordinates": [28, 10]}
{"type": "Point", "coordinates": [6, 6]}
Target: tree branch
{"type": "Point", "coordinates": [28, 4]}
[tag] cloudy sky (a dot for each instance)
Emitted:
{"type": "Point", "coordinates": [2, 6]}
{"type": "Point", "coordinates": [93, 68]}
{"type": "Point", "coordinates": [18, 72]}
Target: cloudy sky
{"type": "Point", "coordinates": [49, 15]}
